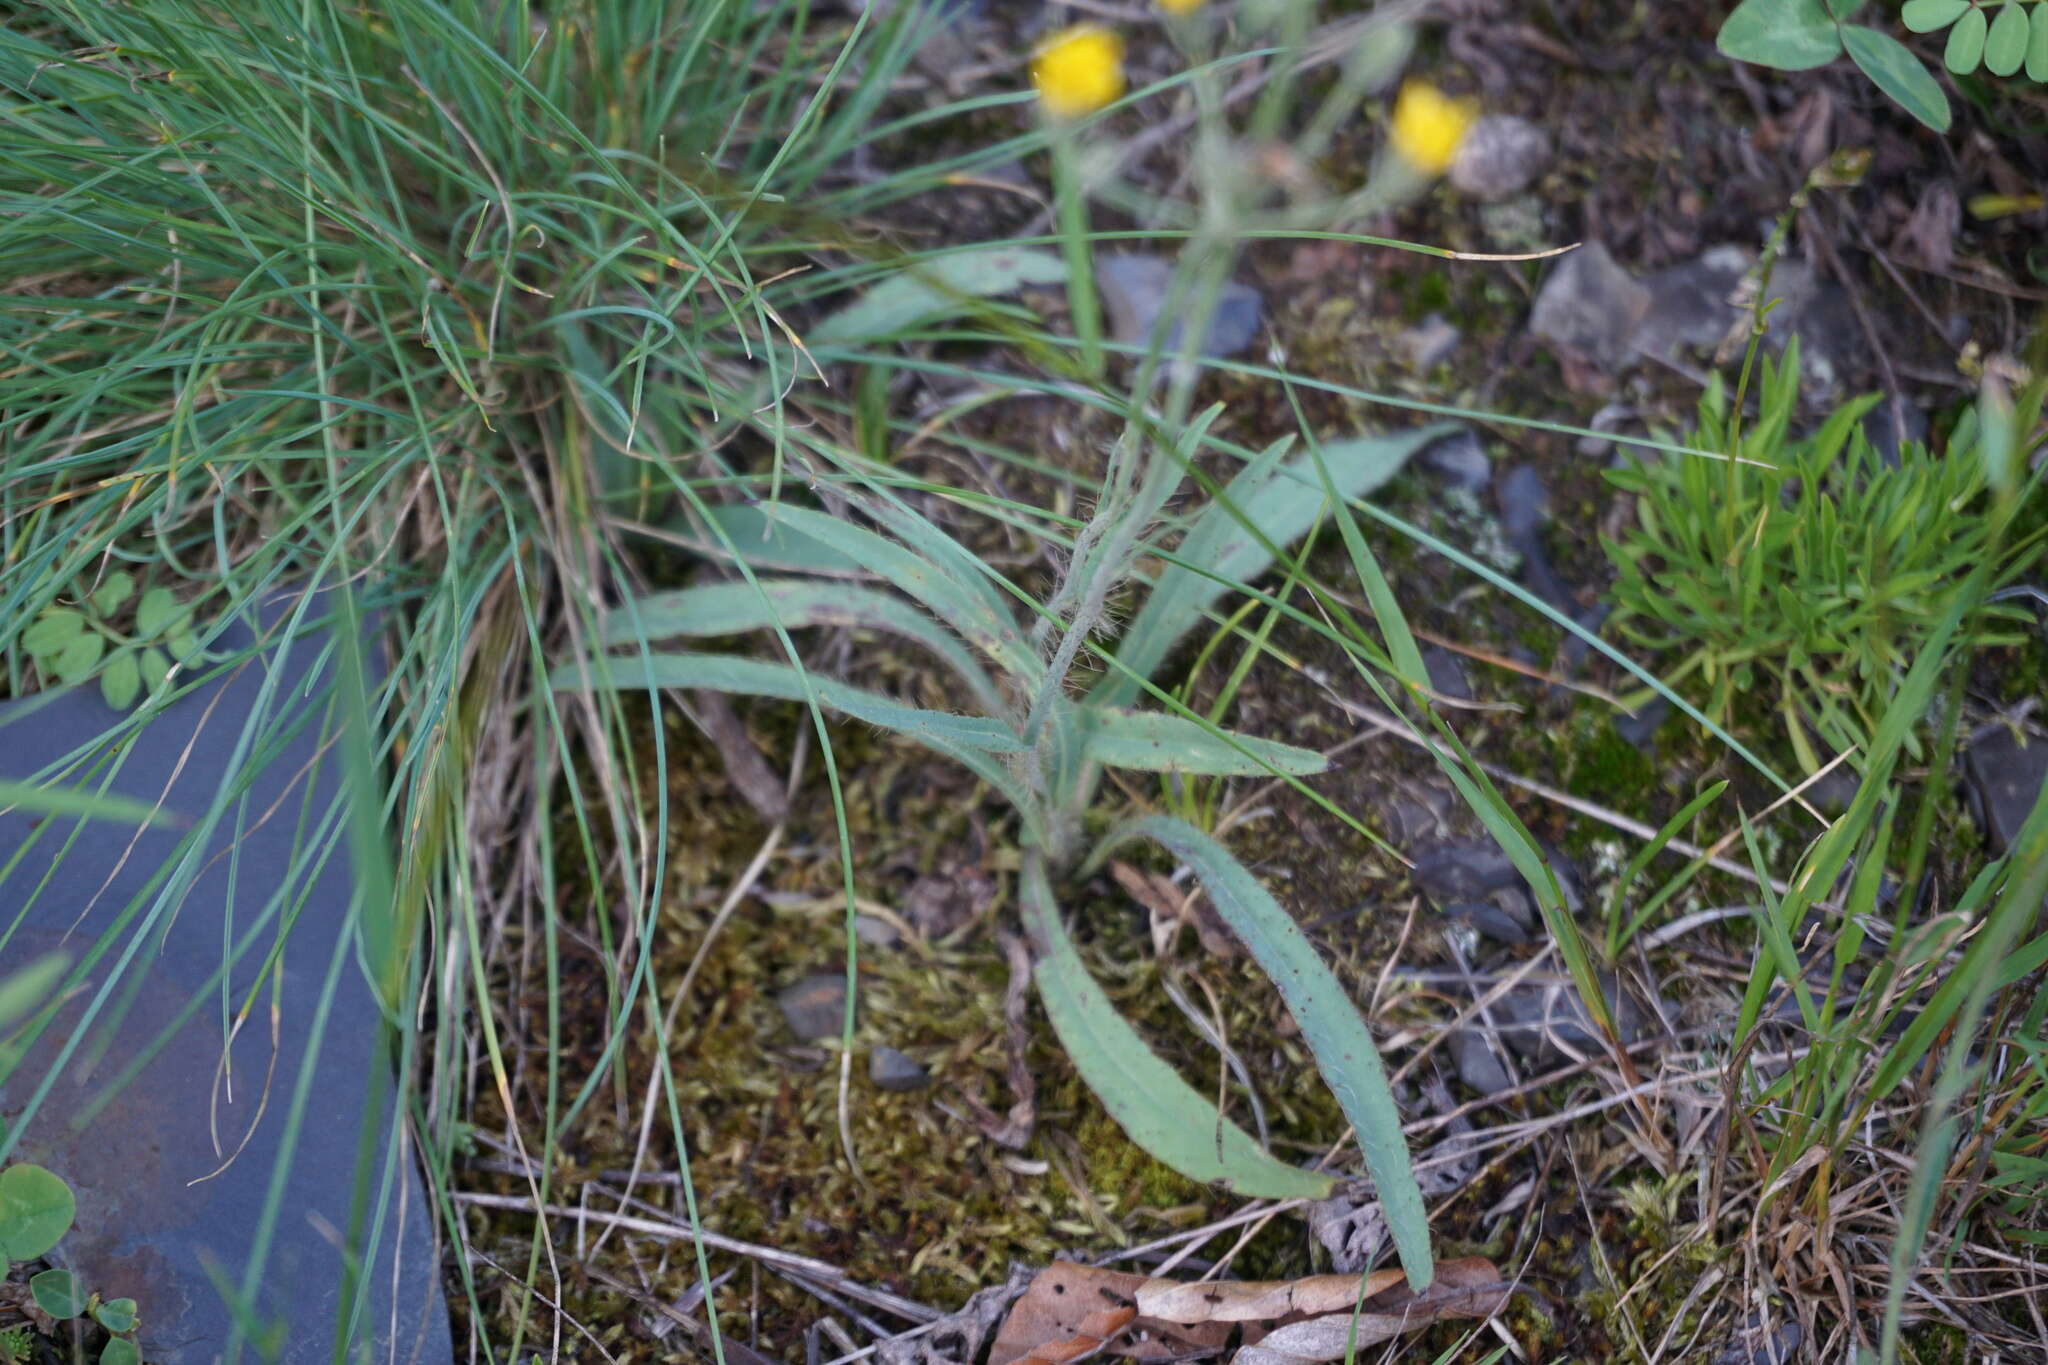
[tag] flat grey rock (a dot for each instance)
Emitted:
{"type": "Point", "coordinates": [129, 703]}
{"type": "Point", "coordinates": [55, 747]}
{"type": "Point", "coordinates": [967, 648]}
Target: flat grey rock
{"type": "Point", "coordinates": [171, 1164]}
{"type": "Point", "coordinates": [1134, 290]}
{"type": "Point", "coordinates": [1590, 306]}
{"type": "Point", "coordinates": [1690, 310]}
{"type": "Point", "coordinates": [1475, 1062]}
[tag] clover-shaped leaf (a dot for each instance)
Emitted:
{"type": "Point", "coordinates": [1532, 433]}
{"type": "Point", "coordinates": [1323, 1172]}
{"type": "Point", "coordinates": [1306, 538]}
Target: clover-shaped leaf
{"type": "Point", "coordinates": [36, 1208]}
{"type": "Point", "coordinates": [52, 633]}
{"type": "Point", "coordinates": [120, 1351]}
{"type": "Point", "coordinates": [78, 657]}
{"type": "Point", "coordinates": [58, 1293]}
{"type": "Point", "coordinates": [159, 613]}
{"type": "Point", "coordinates": [2037, 46]}
{"type": "Point", "coordinates": [116, 1315]}
{"type": "Point", "coordinates": [113, 592]}
{"type": "Point", "coordinates": [121, 680]}
{"type": "Point", "coordinates": [154, 666]}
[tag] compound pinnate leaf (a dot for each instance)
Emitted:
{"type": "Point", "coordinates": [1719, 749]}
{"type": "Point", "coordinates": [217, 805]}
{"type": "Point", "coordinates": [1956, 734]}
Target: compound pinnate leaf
{"type": "Point", "coordinates": [1791, 35]}
{"type": "Point", "coordinates": [36, 1209]}
{"type": "Point", "coordinates": [58, 1293]}
{"type": "Point", "coordinates": [1898, 73]}
{"type": "Point", "coordinates": [1966, 43]}
{"type": "Point", "coordinates": [116, 1315]}
{"type": "Point", "coordinates": [2005, 48]}
{"type": "Point", "coordinates": [1931, 16]}
{"type": "Point", "coordinates": [121, 1351]}
{"type": "Point", "coordinates": [121, 680]}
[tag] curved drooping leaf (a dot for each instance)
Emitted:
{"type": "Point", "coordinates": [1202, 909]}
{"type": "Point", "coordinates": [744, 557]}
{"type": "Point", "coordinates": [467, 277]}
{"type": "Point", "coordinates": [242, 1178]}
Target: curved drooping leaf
{"type": "Point", "coordinates": [1155, 742]}
{"type": "Point", "coordinates": [1161, 1112]}
{"type": "Point", "coordinates": [962, 602]}
{"type": "Point", "coordinates": [939, 287]}
{"type": "Point", "coordinates": [1897, 72]}
{"type": "Point", "coordinates": [1343, 1046]}
{"type": "Point", "coordinates": [1791, 35]}
{"type": "Point", "coordinates": [730, 608]}
{"type": "Point", "coordinates": [1282, 500]}
{"type": "Point", "coordinates": [47, 799]}
{"type": "Point", "coordinates": [765, 543]}
{"type": "Point", "coordinates": [971, 741]}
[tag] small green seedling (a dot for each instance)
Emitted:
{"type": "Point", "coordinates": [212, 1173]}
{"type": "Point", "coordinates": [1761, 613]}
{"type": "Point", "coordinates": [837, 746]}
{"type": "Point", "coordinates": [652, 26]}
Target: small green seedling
{"type": "Point", "coordinates": [36, 1210]}
{"type": "Point", "coordinates": [131, 642]}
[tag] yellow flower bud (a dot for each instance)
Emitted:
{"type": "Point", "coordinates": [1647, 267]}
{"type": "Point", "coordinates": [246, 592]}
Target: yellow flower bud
{"type": "Point", "coordinates": [1429, 125]}
{"type": "Point", "coordinates": [1078, 70]}
{"type": "Point", "coordinates": [1180, 6]}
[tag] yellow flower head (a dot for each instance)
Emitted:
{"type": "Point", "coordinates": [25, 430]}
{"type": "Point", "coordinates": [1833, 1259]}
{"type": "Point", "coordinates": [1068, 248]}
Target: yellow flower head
{"type": "Point", "coordinates": [1429, 125]}
{"type": "Point", "coordinates": [1180, 6]}
{"type": "Point", "coordinates": [1078, 70]}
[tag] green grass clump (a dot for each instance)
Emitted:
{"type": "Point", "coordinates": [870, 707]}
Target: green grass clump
{"type": "Point", "coordinates": [1812, 568]}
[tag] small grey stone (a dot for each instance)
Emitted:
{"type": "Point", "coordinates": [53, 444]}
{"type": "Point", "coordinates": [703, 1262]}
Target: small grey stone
{"type": "Point", "coordinates": [1475, 1062]}
{"type": "Point", "coordinates": [1446, 673]}
{"type": "Point", "coordinates": [1429, 343]}
{"type": "Point", "coordinates": [1500, 157]}
{"type": "Point", "coordinates": [1460, 461]}
{"type": "Point", "coordinates": [1524, 504]}
{"type": "Point", "coordinates": [2005, 778]}
{"type": "Point", "coordinates": [1891, 424]}
{"type": "Point", "coordinates": [1462, 871]}
{"type": "Point", "coordinates": [1134, 289]}
{"type": "Point", "coordinates": [1502, 923]}
{"type": "Point", "coordinates": [891, 1070]}
{"type": "Point", "coordinates": [874, 932]}
{"type": "Point", "coordinates": [815, 1007]}
{"type": "Point", "coordinates": [1590, 306]}
{"type": "Point", "coordinates": [1542, 1017]}
{"type": "Point", "coordinates": [1608, 418]}
{"type": "Point", "coordinates": [1638, 727]}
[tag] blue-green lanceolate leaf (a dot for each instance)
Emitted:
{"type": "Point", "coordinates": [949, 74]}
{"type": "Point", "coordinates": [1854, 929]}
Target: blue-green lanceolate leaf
{"type": "Point", "coordinates": [1161, 1112]}
{"type": "Point", "coordinates": [1898, 73]}
{"type": "Point", "coordinates": [765, 543]}
{"type": "Point", "coordinates": [56, 800]}
{"type": "Point", "coordinates": [1155, 742]}
{"type": "Point", "coordinates": [939, 287]}
{"type": "Point", "coordinates": [961, 599]}
{"type": "Point", "coordinates": [1791, 35]}
{"type": "Point", "coordinates": [971, 741]}
{"type": "Point", "coordinates": [1282, 501]}
{"type": "Point", "coordinates": [730, 608]}
{"type": "Point", "coordinates": [1338, 1037]}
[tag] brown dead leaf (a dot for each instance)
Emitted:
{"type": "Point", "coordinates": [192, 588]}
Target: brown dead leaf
{"type": "Point", "coordinates": [1170, 908]}
{"type": "Point", "coordinates": [1074, 1310]}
